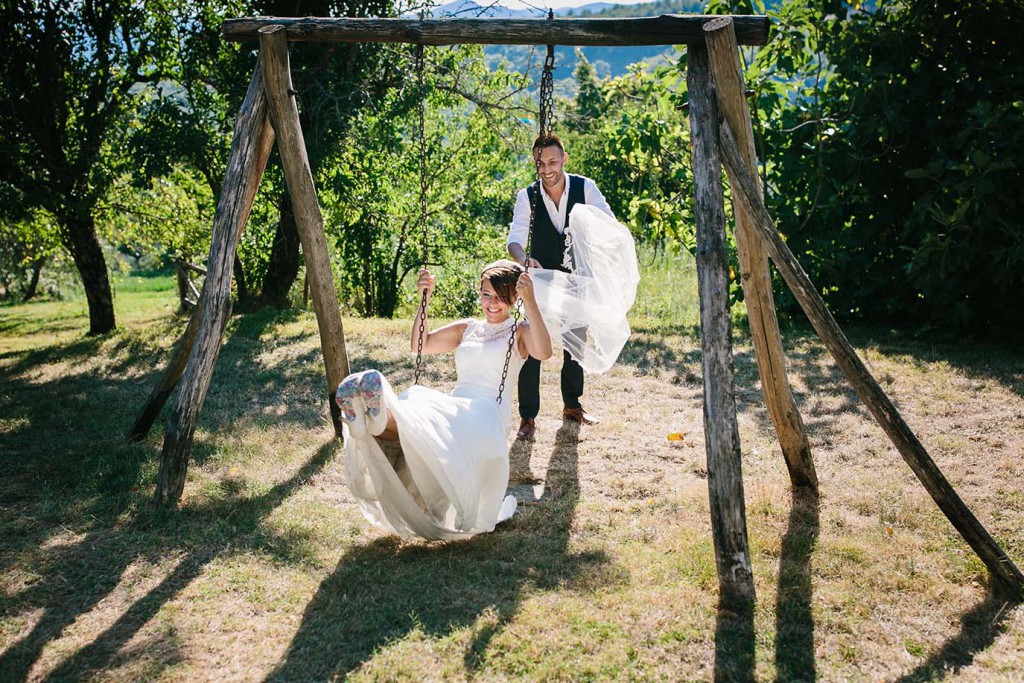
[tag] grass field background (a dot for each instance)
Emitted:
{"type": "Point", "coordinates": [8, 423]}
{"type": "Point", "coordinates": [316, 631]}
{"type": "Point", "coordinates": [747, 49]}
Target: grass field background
{"type": "Point", "coordinates": [267, 571]}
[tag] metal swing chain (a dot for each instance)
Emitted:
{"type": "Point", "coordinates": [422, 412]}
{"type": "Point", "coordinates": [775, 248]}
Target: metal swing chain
{"type": "Point", "coordinates": [423, 207]}
{"type": "Point", "coordinates": [545, 113]}
{"type": "Point", "coordinates": [547, 90]}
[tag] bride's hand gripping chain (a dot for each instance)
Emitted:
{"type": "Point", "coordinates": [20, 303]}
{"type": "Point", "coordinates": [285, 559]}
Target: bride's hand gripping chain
{"type": "Point", "coordinates": [444, 338]}
{"type": "Point", "coordinates": [426, 281]}
{"type": "Point", "coordinates": [425, 285]}
{"type": "Point", "coordinates": [535, 336]}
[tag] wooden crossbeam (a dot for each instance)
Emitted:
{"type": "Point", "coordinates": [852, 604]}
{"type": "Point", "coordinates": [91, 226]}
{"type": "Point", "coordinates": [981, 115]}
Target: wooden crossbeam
{"type": "Point", "coordinates": [668, 29]}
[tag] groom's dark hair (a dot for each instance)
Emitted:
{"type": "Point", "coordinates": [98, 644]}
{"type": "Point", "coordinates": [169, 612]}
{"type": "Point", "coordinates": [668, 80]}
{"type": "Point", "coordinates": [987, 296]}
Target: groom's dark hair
{"type": "Point", "coordinates": [503, 275]}
{"type": "Point", "coordinates": [548, 140]}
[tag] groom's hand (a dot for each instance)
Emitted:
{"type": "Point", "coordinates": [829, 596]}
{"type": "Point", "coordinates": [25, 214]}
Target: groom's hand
{"type": "Point", "coordinates": [532, 263]}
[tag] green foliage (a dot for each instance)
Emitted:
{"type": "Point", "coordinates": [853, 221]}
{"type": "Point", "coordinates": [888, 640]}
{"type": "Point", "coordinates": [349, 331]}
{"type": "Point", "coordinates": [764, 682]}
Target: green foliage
{"type": "Point", "coordinates": [474, 146]}
{"type": "Point", "coordinates": [895, 138]}
{"type": "Point", "coordinates": [187, 121]}
{"type": "Point", "coordinates": [169, 218]}
{"type": "Point", "coordinates": [72, 71]}
{"type": "Point", "coordinates": [631, 135]}
{"type": "Point", "coordinates": [28, 246]}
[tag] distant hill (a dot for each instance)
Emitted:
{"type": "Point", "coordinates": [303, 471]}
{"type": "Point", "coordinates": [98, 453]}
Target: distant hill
{"type": "Point", "coordinates": [607, 61]}
{"type": "Point", "coordinates": [610, 10]}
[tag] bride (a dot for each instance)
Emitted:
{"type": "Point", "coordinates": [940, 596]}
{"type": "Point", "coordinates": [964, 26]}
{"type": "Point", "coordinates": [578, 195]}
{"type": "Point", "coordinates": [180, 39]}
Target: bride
{"type": "Point", "coordinates": [435, 466]}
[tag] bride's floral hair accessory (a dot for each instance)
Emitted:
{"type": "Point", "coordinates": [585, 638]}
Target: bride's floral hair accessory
{"type": "Point", "coordinates": [503, 274]}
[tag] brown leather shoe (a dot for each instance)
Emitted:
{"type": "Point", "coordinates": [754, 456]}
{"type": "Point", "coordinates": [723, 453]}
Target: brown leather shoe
{"type": "Point", "coordinates": [526, 429]}
{"type": "Point", "coordinates": [579, 415]}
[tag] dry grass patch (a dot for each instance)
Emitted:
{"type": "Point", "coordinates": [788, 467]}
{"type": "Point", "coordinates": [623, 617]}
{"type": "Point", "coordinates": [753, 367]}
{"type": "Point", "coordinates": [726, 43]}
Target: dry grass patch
{"type": "Point", "coordinates": [268, 572]}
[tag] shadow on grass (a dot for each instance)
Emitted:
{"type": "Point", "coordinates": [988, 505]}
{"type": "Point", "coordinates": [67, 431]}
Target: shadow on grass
{"type": "Point", "coordinates": [734, 644]}
{"type": "Point", "coordinates": [979, 628]}
{"type": "Point", "coordinates": [76, 512]}
{"type": "Point", "coordinates": [519, 456]}
{"type": "Point", "coordinates": [383, 592]}
{"type": "Point", "coordinates": [676, 355]}
{"type": "Point", "coordinates": [202, 533]}
{"type": "Point", "coordinates": [654, 349]}
{"type": "Point", "coordinates": [794, 619]}
{"type": "Point", "coordinates": [981, 359]}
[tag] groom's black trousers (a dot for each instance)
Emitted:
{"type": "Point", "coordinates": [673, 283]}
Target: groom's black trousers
{"type": "Point", "coordinates": [529, 385]}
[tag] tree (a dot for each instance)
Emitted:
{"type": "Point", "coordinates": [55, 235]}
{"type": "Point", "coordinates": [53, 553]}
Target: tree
{"type": "Point", "coordinates": [191, 122]}
{"type": "Point", "coordinates": [26, 246]}
{"type": "Point", "coordinates": [184, 124]}
{"type": "Point", "coordinates": [69, 69]}
{"type": "Point", "coordinates": [896, 152]}
{"type": "Point", "coordinates": [169, 219]}
{"type": "Point", "coordinates": [632, 136]}
{"type": "Point", "coordinates": [475, 145]}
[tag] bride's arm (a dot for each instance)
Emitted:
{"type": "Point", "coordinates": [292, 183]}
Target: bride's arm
{"type": "Point", "coordinates": [534, 339]}
{"type": "Point", "coordinates": [444, 338]}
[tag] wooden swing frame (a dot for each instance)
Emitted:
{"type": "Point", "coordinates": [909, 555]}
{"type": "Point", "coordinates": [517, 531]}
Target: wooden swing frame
{"type": "Point", "coordinates": [720, 132]}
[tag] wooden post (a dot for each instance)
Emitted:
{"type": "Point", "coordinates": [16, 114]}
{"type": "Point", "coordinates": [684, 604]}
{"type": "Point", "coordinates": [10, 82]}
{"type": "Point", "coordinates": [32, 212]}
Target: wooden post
{"type": "Point", "coordinates": [179, 358]}
{"type": "Point", "coordinates": [745, 190]}
{"type": "Point", "coordinates": [754, 275]}
{"type": "Point", "coordinates": [250, 148]}
{"type": "Point", "coordinates": [277, 81]}
{"type": "Point", "coordinates": [721, 434]}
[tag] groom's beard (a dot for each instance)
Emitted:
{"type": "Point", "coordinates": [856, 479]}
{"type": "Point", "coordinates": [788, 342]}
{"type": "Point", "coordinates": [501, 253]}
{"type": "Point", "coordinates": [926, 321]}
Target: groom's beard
{"type": "Point", "coordinates": [552, 184]}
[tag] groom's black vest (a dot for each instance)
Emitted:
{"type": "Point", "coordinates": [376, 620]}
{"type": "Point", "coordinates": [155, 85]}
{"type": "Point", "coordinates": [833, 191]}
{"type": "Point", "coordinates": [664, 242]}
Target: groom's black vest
{"type": "Point", "coordinates": [547, 245]}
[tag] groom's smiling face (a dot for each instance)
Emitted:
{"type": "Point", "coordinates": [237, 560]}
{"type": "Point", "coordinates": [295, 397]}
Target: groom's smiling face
{"type": "Point", "coordinates": [550, 162]}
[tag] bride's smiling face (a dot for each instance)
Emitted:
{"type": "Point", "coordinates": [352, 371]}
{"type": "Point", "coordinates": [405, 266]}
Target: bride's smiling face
{"type": "Point", "coordinates": [495, 310]}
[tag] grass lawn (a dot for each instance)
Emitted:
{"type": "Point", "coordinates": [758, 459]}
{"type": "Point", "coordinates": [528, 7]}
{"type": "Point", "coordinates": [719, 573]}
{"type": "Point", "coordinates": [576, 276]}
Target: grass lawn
{"type": "Point", "coordinates": [267, 571]}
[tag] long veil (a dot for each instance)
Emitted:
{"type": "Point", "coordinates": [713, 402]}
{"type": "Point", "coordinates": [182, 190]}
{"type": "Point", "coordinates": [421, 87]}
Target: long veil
{"type": "Point", "coordinates": [587, 307]}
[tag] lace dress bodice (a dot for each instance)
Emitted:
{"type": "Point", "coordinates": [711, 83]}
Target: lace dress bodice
{"type": "Point", "coordinates": [480, 360]}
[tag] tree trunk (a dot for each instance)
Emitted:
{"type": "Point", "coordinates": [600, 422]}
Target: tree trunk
{"type": "Point", "coordinates": [79, 237]}
{"type": "Point", "coordinates": [283, 267]}
{"type": "Point", "coordinates": [242, 288]}
{"type": "Point", "coordinates": [182, 280]}
{"type": "Point", "coordinates": [33, 283]}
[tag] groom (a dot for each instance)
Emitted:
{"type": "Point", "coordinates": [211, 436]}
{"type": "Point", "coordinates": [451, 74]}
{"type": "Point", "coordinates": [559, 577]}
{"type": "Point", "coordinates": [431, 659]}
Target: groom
{"type": "Point", "coordinates": [561, 192]}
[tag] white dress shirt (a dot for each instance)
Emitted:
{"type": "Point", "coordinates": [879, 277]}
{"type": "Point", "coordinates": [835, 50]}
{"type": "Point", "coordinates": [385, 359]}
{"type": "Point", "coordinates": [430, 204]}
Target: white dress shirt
{"type": "Point", "coordinates": [520, 227]}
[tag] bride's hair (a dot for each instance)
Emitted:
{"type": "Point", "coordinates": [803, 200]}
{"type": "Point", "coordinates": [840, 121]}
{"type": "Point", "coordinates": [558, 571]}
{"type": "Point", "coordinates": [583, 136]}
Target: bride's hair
{"type": "Point", "coordinates": [503, 274]}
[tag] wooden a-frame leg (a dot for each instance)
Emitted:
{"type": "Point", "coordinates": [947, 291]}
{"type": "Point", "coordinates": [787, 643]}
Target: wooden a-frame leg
{"type": "Point", "coordinates": [250, 149]}
{"type": "Point", "coordinates": [882, 408]}
{"type": "Point", "coordinates": [285, 116]}
{"type": "Point", "coordinates": [722, 439]}
{"type": "Point", "coordinates": [727, 77]}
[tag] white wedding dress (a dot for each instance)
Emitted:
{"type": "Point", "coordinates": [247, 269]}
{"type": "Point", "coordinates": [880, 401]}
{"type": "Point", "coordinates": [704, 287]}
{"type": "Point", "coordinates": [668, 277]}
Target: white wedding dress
{"type": "Point", "coordinates": [447, 478]}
